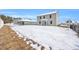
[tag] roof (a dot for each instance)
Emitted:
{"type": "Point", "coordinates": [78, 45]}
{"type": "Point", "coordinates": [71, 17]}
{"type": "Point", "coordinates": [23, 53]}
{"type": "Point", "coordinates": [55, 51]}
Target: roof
{"type": "Point", "coordinates": [48, 13]}
{"type": "Point", "coordinates": [27, 20]}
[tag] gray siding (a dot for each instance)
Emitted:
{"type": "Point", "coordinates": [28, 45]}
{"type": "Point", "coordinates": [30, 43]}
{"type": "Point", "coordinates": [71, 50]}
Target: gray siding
{"type": "Point", "coordinates": [48, 20]}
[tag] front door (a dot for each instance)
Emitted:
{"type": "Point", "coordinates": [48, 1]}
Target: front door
{"type": "Point", "coordinates": [44, 23]}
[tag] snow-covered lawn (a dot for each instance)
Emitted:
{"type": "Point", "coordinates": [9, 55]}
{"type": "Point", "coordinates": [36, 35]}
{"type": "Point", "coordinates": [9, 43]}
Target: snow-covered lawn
{"type": "Point", "coordinates": [49, 36]}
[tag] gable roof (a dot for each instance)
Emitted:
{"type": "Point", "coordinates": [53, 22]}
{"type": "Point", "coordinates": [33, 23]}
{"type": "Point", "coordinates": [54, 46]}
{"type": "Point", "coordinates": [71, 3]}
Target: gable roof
{"type": "Point", "coordinates": [48, 13]}
{"type": "Point", "coordinates": [27, 20]}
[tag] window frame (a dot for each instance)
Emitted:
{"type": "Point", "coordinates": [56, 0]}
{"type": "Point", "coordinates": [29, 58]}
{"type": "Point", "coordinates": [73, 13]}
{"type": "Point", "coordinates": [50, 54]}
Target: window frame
{"type": "Point", "coordinates": [43, 17]}
{"type": "Point", "coordinates": [50, 16]}
{"type": "Point", "coordinates": [39, 22]}
{"type": "Point", "coordinates": [40, 17]}
{"type": "Point", "coordinates": [51, 22]}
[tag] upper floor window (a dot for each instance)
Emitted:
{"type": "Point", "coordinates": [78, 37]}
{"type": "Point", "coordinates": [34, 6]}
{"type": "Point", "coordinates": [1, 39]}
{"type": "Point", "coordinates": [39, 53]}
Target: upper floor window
{"type": "Point", "coordinates": [40, 17]}
{"type": "Point", "coordinates": [50, 16]}
{"type": "Point", "coordinates": [43, 17]}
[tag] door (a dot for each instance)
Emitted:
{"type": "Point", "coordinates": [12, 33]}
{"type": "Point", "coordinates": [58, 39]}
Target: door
{"type": "Point", "coordinates": [44, 23]}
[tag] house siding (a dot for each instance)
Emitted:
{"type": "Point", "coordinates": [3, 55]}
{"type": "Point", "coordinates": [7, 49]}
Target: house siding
{"type": "Point", "coordinates": [48, 19]}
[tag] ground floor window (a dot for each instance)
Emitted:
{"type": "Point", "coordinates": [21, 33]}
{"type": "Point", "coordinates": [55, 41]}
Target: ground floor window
{"type": "Point", "coordinates": [50, 22]}
{"type": "Point", "coordinates": [39, 22]}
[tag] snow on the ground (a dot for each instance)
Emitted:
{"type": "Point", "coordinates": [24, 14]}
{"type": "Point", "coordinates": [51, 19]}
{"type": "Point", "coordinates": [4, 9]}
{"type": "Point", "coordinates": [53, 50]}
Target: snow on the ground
{"type": "Point", "coordinates": [49, 36]}
{"type": "Point", "coordinates": [1, 23]}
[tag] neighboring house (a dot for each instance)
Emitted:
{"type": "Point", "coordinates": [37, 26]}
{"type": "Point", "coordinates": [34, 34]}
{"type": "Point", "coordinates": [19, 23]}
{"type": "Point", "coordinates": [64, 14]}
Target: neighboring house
{"type": "Point", "coordinates": [63, 25]}
{"type": "Point", "coordinates": [67, 24]}
{"type": "Point", "coordinates": [48, 19]}
{"type": "Point", "coordinates": [25, 22]}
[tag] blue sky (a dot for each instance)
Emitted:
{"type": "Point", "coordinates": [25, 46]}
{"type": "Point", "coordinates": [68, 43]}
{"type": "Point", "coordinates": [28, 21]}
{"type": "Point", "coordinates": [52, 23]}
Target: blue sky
{"type": "Point", "coordinates": [64, 14]}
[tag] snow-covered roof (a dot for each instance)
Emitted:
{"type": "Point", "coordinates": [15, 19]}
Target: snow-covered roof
{"type": "Point", "coordinates": [27, 20]}
{"type": "Point", "coordinates": [48, 13]}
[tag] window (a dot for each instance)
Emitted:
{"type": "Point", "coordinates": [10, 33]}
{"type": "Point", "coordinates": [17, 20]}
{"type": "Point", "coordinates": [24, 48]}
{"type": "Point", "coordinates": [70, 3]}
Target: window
{"type": "Point", "coordinates": [44, 17]}
{"type": "Point", "coordinates": [40, 17]}
{"type": "Point", "coordinates": [50, 22]}
{"type": "Point", "coordinates": [39, 22]}
{"type": "Point", "coordinates": [50, 16]}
